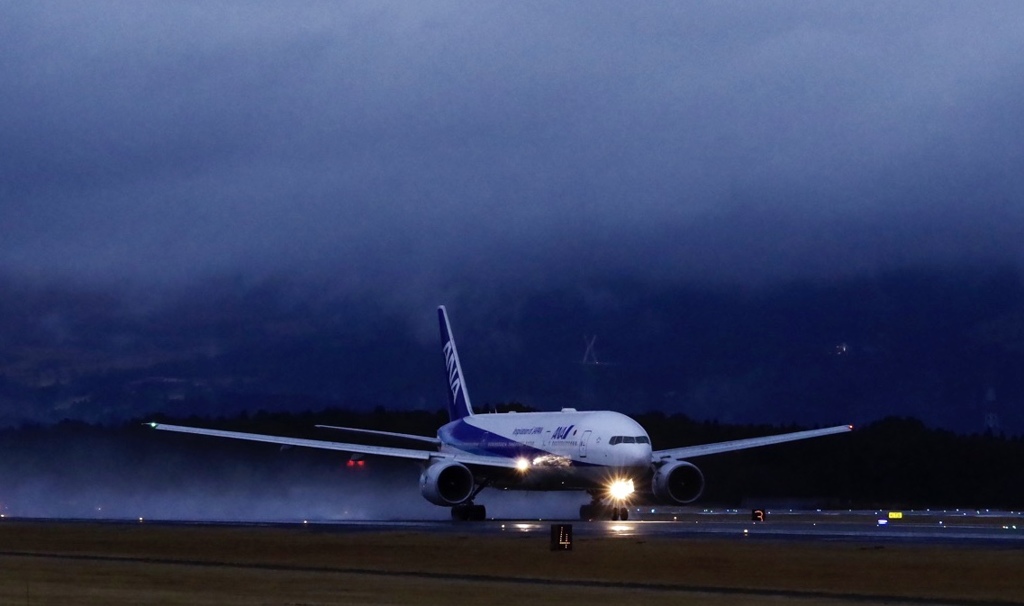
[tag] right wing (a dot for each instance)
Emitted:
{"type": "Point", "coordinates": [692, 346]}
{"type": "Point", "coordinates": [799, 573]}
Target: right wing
{"type": "Point", "coordinates": [688, 452]}
{"type": "Point", "coordinates": [385, 451]}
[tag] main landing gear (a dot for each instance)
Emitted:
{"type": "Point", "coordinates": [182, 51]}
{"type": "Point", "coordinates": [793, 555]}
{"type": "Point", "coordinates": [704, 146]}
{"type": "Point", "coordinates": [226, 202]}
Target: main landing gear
{"type": "Point", "coordinates": [599, 509]}
{"type": "Point", "coordinates": [468, 512]}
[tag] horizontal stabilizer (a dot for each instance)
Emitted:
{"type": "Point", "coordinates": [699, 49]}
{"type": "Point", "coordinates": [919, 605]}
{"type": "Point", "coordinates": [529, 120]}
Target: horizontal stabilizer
{"type": "Point", "coordinates": [385, 451]}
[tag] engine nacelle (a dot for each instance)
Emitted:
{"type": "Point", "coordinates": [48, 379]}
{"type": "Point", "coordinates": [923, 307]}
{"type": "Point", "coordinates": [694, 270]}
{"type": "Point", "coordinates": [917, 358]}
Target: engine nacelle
{"type": "Point", "coordinates": [679, 483]}
{"type": "Point", "coordinates": [446, 483]}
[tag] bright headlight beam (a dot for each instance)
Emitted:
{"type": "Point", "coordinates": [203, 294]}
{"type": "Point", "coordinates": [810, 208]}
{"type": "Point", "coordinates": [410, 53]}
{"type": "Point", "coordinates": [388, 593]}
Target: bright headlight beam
{"type": "Point", "coordinates": [620, 489]}
{"type": "Point", "coordinates": [522, 464]}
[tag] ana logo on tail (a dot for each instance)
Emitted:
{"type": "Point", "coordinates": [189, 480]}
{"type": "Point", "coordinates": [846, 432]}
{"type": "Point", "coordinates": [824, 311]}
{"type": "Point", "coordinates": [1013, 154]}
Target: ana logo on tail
{"type": "Point", "coordinates": [458, 399]}
{"type": "Point", "coordinates": [450, 361]}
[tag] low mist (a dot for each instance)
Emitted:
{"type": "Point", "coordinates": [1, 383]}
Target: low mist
{"type": "Point", "coordinates": [74, 471]}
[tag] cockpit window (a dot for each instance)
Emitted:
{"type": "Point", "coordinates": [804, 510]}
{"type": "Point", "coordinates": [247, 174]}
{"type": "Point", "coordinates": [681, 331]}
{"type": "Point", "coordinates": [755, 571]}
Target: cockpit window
{"type": "Point", "coordinates": [629, 440]}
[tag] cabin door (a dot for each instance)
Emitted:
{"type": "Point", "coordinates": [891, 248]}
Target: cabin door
{"type": "Point", "coordinates": [583, 444]}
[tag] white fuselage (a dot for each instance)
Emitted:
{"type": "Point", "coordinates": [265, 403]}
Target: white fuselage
{"type": "Point", "coordinates": [568, 449]}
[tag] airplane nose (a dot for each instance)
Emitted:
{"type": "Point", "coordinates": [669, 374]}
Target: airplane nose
{"type": "Point", "coordinates": [640, 456]}
{"type": "Point", "coordinates": [645, 455]}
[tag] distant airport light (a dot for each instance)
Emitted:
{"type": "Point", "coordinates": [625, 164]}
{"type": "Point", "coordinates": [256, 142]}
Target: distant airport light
{"type": "Point", "coordinates": [620, 489]}
{"type": "Point", "coordinates": [895, 515]}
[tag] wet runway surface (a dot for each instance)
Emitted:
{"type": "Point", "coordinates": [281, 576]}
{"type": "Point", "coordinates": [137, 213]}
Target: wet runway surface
{"type": "Point", "coordinates": [852, 525]}
{"type": "Point", "coordinates": [993, 528]}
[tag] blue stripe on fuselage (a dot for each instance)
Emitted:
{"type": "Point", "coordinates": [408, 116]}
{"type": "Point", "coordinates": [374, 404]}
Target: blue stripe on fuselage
{"type": "Point", "coordinates": [474, 440]}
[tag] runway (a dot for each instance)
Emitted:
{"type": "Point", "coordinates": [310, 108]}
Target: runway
{"type": "Point", "coordinates": [694, 557]}
{"type": "Point", "coordinates": [874, 526]}
{"type": "Point", "coordinates": [941, 526]}
{"type": "Point", "coordinates": [907, 526]}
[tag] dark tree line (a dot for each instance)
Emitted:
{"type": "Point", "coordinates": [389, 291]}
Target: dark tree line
{"type": "Point", "coordinates": [895, 462]}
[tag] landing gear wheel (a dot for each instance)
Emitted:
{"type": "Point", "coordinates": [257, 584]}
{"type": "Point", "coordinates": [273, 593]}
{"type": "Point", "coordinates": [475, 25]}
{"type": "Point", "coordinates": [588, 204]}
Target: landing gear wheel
{"type": "Point", "coordinates": [468, 512]}
{"type": "Point", "coordinates": [603, 512]}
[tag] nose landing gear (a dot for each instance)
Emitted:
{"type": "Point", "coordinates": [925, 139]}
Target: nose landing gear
{"type": "Point", "coordinates": [603, 512]}
{"type": "Point", "coordinates": [600, 509]}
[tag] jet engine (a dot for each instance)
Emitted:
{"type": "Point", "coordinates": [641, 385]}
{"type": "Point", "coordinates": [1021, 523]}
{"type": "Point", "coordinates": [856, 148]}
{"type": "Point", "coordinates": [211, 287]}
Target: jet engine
{"type": "Point", "coordinates": [679, 483]}
{"type": "Point", "coordinates": [446, 483]}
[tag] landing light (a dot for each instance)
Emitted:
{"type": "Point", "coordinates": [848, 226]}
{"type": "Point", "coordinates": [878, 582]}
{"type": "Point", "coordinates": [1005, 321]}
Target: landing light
{"type": "Point", "coordinates": [620, 489]}
{"type": "Point", "coordinates": [522, 464]}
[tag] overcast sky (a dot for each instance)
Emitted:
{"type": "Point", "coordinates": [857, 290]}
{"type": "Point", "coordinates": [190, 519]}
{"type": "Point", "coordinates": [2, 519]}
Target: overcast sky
{"type": "Point", "coordinates": [413, 147]}
{"type": "Point", "coordinates": [283, 192]}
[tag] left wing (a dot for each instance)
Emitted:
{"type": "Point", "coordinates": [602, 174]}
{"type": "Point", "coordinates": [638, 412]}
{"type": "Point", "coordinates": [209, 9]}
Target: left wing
{"type": "Point", "coordinates": [689, 452]}
{"type": "Point", "coordinates": [389, 434]}
{"type": "Point", "coordinates": [384, 451]}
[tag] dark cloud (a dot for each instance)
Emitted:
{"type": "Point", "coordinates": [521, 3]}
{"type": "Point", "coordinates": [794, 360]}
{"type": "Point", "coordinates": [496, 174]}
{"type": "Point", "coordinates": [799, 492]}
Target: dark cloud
{"type": "Point", "coordinates": [180, 181]}
{"type": "Point", "coordinates": [394, 145]}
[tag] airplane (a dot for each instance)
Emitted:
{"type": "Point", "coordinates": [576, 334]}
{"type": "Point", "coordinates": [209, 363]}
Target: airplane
{"type": "Point", "coordinates": [605, 453]}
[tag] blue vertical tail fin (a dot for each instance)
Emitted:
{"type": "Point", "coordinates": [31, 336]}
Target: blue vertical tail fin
{"type": "Point", "coordinates": [459, 405]}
